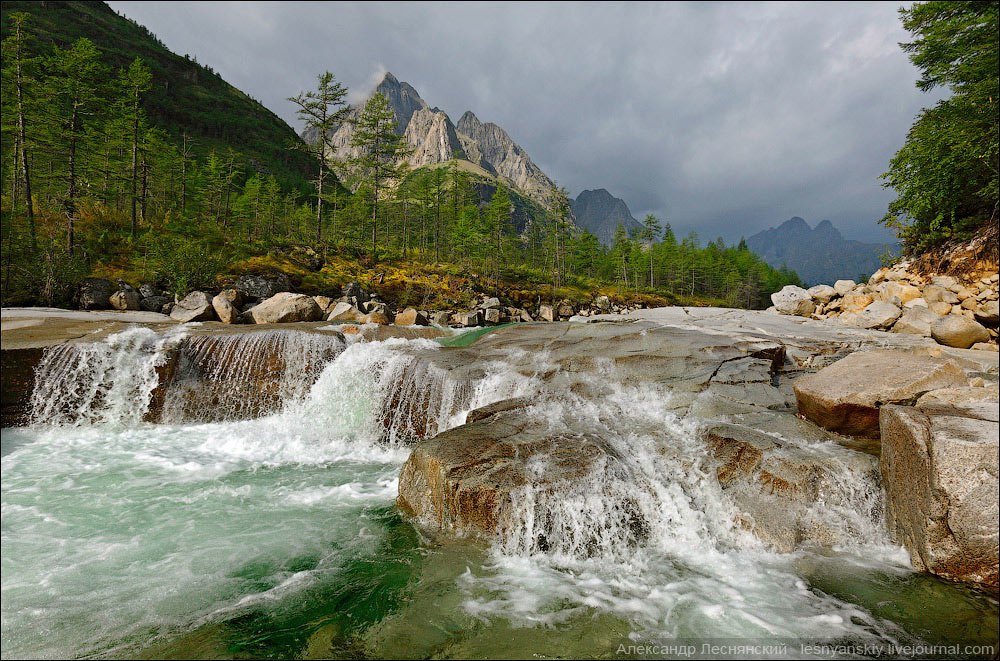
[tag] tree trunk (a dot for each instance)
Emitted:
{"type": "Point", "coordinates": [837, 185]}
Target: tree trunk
{"type": "Point", "coordinates": [70, 204]}
{"type": "Point", "coordinates": [135, 156]}
{"type": "Point", "coordinates": [29, 205]}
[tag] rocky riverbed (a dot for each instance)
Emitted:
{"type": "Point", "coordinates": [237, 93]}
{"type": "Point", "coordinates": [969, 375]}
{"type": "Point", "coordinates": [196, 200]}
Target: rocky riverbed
{"type": "Point", "coordinates": [661, 438]}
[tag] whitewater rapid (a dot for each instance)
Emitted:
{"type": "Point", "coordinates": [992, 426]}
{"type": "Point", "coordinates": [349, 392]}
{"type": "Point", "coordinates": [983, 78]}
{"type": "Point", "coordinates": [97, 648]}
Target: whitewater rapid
{"type": "Point", "coordinates": [261, 521]}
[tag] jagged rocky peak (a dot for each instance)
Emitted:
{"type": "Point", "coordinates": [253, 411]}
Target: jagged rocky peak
{"type": "Point", "coordinates": [497, 152]}
{"type": "Point", "coordinates": [599, 212]}
{"type": "Point", "coordinates": [432, 137]}
{"type": "Point", "coordinates": [403, 99]}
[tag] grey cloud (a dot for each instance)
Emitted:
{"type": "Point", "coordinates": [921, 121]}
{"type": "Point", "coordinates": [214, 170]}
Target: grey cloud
{"type": "Point", "coordinates": [723, 118]}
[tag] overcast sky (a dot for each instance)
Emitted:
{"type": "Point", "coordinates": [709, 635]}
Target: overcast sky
{"type": "Point", "coordinates": [722, 118]}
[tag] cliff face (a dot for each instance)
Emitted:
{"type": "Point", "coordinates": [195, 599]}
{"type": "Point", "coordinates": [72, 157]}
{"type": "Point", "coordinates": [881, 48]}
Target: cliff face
{"type": "Point", "coordinates": [819, 254]}
{"type": "Point", "coordinates": [599, 212]}
{"type": "Point", "coordinates": [434, 138]}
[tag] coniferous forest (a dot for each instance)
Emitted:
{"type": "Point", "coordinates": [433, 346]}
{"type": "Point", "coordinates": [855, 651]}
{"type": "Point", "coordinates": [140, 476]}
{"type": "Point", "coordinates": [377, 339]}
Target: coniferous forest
{"type": "Point", "coordinates": [122, 160]}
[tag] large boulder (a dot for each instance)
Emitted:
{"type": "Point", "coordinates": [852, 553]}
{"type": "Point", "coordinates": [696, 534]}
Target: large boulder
{"type": "Point", "coordinates": [260, 287]}
{"type": "Point", "coordinates": [794, 301]}
{"type": "Point", "coordinates": [126, 299]}
{"type": "Point", "coordinates": [786, 495]}
{"type": "Point", "coordinates": [410, 317]}
{"type": "Point", "coordinates": [855, 301]}
{"type": "Point", "coordinates": [546, 313]}
{"type": "Point", "coordinates": [878, 315]}
{"type": "Point", "coordinates": [822, 293]}
{"type": "Point", "coordinates": [285, 307]}
{"type": "Point", "coordinates": [466, 481]}
{"type": "Point", "coordinates": [227, 305]}
{"type": "Point", "coordinates": [939, 468]}
{"type": "Point", "coordinates": [95, 293]}
{"type": "Point", "coordinates": [196, 306]}
{"type": "Point", "coordinates": [155, 303]}
{"type": "Point", "coordinates": [845, 397]}
{"type": "Point", "coordinates": [344, 313]}
{"type": "Point", "coordinates": [958, 331]}
{"type": "Point", "coordinates": [844, 286]}
{"type": "Point", "coordinates": [915, 321]}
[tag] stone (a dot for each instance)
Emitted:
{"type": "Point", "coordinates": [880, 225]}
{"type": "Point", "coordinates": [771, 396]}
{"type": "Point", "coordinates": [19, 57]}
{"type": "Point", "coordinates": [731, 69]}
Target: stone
{"type": "Point", "coordinates": [878, 315]}
{"type": "Point", "coordinates": [915, 303]}
{"type": "Point", "coordinates": [845, 397]}
{"type": "Point", "coordinates": [958, 331]}
{"type": "Point", "coordinates": [490, 410]}
{"type": "Point", "coordinates": [285, 307]}
{"type": "Point", "coordinates": [126, 299]}
{"type": "Point", "coordinates": [985, 346]}
{"type": "Point", "coordinates": [148, 290]}
{"type": "Point", "coordinates": [325, 304]}
{"type": "Point", "coordinates": [410, 317]}
{"type": "Point", "coordinates": [491, 304]}
{"type": "Point", "coordinates": [842, 287]}
{"type": "Point", "coordinates": [491, 316]}
{"type": "Point", "coordinates": [940, 308]}
{"type": "Point", "coordinates": [822, 293]}
{"type": "Point", "coordinates": [196, 306]}
{"type": "Point", "coordinates": [855, 302]}
{"type": "Point", "coordinates": [95, 293]}
{"type": "Point", "coordinates": [379, 317]}
{"type": "Point", "coordinates": [887, 291]}
{"type": "Point", "coordinates": [154, 303]}
{"type": "Point", "coordinates": [794, 301]}
{"type": "Point", "coordinates": [988, 314]}
{"type": "Point", "coordinates": [344, 313]}
{"type": "Point", "coordinates": [227, 305]}
{"type": "Point", "coordinates": [259, 287]}
{"type": "Point", "coordinates": [565, 310]}
{"type": "Point", "coordinates": [602, 303]}
{"type": "Point", "coordinates": [465, 480]}
{"type": "Point", "coordinates": [778, 487]}
{"type": "Point", "coordinates": [936, 294]}
{"type": "Point", "coordinates": [915, 321]}
{"type": "Point", "coordinates": [939, 468]}
{"type": "Point", "coordinates": [944, 281]}
{"type": "Point", "coordinates": [546, 313]}
{"type": "Point", "coordinates": [441, 318]}
{"type": "Point", "coordinates": [471, 318]}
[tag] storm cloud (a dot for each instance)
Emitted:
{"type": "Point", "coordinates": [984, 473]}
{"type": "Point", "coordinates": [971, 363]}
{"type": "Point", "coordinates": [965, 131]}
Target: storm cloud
{"type": "Point", "coordinates": [722, 118]}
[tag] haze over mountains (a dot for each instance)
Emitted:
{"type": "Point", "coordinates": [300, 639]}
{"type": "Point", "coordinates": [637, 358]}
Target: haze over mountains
{"type": "Point", "coordinates": [818, 255]}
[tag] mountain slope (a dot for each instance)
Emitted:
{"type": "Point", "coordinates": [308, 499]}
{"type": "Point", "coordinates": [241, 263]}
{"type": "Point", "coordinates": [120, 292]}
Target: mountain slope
{"type": "Point", "coordinates": [434, 138]}
{"type": "Point", "coordinates": [599, 212]}
{"type": "Point", "coordinates": [186, 98]}
{"type": "Point", "coordinates": [820, 255]}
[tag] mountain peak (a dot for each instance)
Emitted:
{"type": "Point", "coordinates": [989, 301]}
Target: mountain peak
{"type": "Point", "coordinates": [599, 212]}
{"type": "Point", "coordinates": [819, 255]}
{"type": "Point", "coordinates": [389, 78]}
{"type": "Point", "coordinates": [403, 99]}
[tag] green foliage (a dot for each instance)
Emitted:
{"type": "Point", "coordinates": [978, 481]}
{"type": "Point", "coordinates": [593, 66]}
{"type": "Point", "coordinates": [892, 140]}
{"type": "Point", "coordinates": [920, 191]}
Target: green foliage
{"type": "Point", "coordinates": [181, 264]}
{"type": "Point", "coordinates": [946, 174]}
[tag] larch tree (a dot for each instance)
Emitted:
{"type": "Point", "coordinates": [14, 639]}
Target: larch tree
{"type": "Point", "coordinates": [134, 81]}
{"type": "Point", "coordinates": [650, 232]}
{"type": "Point", "coordinates": [382, 150]}
{"type": "Point", "coordinates": [322, 110]}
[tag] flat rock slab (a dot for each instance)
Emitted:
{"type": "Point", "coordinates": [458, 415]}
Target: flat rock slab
{"type": "Point", "coordinates": [845, 397]}
{"type": "Point", "coordinates": [940, 477]}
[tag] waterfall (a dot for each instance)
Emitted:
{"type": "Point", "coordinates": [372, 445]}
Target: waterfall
{"type": "Point", "coordinates": [109, 382]}
{"type": "Point", "coordinates": [245, 375]}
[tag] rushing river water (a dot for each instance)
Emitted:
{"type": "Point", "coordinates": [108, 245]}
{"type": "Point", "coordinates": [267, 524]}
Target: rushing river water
{"type": "Point", "coordinates": [216, 534]}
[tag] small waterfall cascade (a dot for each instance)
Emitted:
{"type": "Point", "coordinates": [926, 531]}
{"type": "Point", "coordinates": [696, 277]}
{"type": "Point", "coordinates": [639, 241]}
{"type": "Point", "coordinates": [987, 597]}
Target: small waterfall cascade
{"type": "Point", "coordinates": [245, 375]}
{"type": "Point", "coordinates": [109, 382]}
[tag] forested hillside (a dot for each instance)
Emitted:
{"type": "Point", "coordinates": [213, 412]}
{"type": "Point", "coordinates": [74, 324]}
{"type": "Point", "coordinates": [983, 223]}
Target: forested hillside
{"type": "Point", "coordinates": [123, 160]}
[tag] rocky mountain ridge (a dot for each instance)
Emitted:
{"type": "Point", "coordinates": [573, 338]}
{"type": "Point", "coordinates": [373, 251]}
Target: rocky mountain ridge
{"type": "Point", "coordinates": [819, 254]}
{"type": "Point", "coordinates": [434, 138]}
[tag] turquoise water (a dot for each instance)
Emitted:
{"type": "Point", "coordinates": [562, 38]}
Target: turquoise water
{"type": "Point", "coordinates": [278, 537]}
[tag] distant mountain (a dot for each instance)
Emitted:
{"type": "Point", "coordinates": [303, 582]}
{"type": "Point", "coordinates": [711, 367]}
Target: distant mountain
{"type": "Point", "coordinates": [186, 97]}
{"type": "Point", "coordinates": [434, 138]}
{"type": "Point", "coordinates": [820, 255]}
{"type": "Point", "coordinates": [599, 212]}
